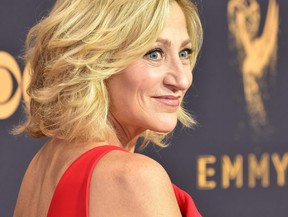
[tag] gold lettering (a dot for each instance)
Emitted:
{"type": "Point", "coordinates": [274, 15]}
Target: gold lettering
{"type": "Point", "coordinates": [258, 170]}
{"type": "Point", "coordinates": [232, 171]}
{"type": "Point", "coordinates": [6, 85]}
{"type": "Point", "coordinates": [281, 167]}
{"type": "Point", "coordinates": [8, 102]}
{"type": "Point", "coordinates": [204, 172]}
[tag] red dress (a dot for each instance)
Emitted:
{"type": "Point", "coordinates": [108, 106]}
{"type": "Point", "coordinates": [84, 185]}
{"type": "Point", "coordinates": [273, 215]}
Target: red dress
{"type": "Point", "coordinates": [70, 198]}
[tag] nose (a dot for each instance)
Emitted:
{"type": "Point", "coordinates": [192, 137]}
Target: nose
{"type": "Point", "coordinates": [179, 76]}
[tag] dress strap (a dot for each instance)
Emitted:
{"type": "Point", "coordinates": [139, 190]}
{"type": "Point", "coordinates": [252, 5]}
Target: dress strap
{"type": "Point", "coordinates": [71, 196]}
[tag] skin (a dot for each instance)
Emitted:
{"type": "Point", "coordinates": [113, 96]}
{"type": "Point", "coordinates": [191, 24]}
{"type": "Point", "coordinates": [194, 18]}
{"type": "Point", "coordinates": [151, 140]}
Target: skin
{"type": "Point", "coordinates": [144, 96]}
{"type": "Point", "coordinates": [147, 94]}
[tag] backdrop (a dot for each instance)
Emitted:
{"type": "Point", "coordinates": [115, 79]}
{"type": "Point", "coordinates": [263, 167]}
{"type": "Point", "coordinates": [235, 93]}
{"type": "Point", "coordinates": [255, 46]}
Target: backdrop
{"type": "Point", "coordinates": [235, 162]}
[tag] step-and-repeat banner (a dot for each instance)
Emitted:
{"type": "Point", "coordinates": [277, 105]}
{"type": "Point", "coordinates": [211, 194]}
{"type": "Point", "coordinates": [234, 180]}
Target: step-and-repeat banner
{"type": "Point", "coordinates": [235, 162]}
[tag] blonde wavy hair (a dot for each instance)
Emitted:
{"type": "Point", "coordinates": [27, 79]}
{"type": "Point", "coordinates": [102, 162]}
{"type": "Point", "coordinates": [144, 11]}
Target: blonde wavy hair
{"type": "Point", "coordinates": [79, 45]}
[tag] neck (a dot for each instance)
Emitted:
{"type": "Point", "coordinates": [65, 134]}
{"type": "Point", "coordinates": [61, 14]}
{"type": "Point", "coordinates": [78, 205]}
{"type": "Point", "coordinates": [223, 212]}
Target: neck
{"type": "Point", "coordinates": [122, 136]}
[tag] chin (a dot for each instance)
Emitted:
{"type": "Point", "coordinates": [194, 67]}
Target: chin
{"type": "Point", "coordinates": [164, 127]}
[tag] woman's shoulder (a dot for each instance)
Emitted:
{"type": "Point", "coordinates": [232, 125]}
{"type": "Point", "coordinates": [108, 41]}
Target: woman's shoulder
{"type": "Point", "coordinates": [130, 168]}
{"type": "Point", "coordinates": [132, 183]}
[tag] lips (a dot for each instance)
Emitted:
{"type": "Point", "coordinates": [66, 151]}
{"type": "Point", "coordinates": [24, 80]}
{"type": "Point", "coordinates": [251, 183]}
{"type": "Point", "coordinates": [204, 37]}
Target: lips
{"type": "Point", "coordinates": [169, 100]}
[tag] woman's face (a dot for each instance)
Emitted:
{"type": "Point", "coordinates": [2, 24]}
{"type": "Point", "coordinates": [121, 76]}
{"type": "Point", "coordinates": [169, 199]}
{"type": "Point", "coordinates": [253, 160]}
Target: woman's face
{"type": "Point", "coordinates": [148, 93]}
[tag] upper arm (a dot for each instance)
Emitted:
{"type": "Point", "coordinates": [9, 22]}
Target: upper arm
{"type": "Point", "coordinates": [125, 184]}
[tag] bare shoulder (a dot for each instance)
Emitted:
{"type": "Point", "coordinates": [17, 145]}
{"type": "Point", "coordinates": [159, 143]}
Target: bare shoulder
{"type": "Point", "coordinates": [134, 185]}
{"type": "Point", "coordinates": [29, 190]}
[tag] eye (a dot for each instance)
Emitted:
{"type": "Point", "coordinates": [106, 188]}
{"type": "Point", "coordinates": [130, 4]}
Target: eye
{"type": "Point", "coordinates": [185, 54]}
{"type": "Point", "coordinates": [156, 54]}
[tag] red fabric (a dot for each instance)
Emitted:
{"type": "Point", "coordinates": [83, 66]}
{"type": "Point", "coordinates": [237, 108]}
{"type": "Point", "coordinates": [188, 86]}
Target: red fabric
{"type": "Point", "coordinates": [186, 203]}
{"type": "Point", "coordinates": [71, 195]}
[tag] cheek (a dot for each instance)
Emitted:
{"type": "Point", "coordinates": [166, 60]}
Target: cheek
{"type": "Point", "coordinates": [132, 86]}
{"type": "Point", "coordinates": [145, 83]}
{"type": "Point", "coordinates": [123, 91]}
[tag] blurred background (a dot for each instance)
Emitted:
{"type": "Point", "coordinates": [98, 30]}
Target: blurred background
{"type": "Point", "coordinates": [234, 163]}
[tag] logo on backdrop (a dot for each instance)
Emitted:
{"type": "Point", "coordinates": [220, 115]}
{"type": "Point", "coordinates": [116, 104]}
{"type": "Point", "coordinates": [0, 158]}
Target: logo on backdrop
{"type": "Point", "coordinates": [10, 74]}
{"type": "Point", "coordinates": [257, 51]}
{"type": "Point", "coordinates": [257, 55]}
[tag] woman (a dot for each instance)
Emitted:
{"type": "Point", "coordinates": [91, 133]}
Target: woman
{"type": "Point", "coordinates": [105, 73]}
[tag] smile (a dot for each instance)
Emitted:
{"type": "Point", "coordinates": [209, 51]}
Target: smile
{"type": "Point", "coordinates": [173, 101]}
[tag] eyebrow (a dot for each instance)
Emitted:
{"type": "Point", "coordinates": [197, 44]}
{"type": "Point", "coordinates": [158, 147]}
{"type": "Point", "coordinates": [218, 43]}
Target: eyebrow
{"type": "Point", "coordinates": [168, 42]}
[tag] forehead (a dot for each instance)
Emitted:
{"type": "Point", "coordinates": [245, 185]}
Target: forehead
{"type": "Point", "coordinates": [175, 27]}
{"type": "Point", "coordinates": [176, 15]}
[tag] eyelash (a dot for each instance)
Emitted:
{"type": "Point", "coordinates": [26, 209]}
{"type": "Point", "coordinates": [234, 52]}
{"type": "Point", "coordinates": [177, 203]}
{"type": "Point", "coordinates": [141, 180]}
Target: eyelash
{"type": "Point", "coordinates": [189, 52]}
{"type": "Point", "coordinates": [161, 52]}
